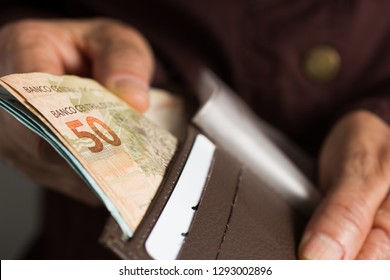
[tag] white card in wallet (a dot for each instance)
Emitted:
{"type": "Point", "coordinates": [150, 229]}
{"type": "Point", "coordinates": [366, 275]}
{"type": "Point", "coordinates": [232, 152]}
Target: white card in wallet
{"type": "Point", "coordinates": [168, 234]}
{"type": "Point", "coordinates": [262, 148]}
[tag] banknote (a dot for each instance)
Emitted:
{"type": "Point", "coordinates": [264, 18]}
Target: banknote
{"type": "Point", "coordinates": [167, 111]}
{"type": "Point", "coordinates": [120, 153]}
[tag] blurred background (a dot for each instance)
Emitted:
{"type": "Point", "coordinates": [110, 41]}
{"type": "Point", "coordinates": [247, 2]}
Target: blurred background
{"type": "Point", "coordinates": [20, 209]}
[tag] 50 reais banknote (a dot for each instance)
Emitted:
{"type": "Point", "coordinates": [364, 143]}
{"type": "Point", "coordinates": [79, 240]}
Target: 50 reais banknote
{"type": "Point", "coordinates": [120, 154]}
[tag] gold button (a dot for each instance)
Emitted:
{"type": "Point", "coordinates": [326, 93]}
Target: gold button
{"type": "Point", "coordinates": [322, 64]}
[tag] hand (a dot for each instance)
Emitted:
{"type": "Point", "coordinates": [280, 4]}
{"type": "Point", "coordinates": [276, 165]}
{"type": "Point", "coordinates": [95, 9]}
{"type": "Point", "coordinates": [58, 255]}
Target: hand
{"type": "Point", "coordinates": [353, 221]}
{"type": "Point", "coordinates": [112, 53]}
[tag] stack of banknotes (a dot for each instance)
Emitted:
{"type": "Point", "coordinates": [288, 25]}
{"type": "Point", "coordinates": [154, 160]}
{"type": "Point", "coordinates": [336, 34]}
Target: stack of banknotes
{"type": "Point", "coordinates": [118, 152]}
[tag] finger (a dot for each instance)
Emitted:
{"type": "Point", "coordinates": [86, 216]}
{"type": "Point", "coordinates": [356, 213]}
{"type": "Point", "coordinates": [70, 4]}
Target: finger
{"type": "Point", "coordinates": [341, 224]}
{"type": "Point", "coordinates": [29, 48]}
{"type": "Point", "coordinates": [377, 244]}
{"type": "Point", "coordinates": [122, 61]}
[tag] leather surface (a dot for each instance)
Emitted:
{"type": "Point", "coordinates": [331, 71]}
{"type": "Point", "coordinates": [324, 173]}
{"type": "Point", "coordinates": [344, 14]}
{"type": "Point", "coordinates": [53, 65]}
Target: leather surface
{"type": "Point", "coordinates": [261, 224]}
{"type": "Point", "coordinates": [238, 217]}
{"type": "Point", "coordinates": [205, 234]}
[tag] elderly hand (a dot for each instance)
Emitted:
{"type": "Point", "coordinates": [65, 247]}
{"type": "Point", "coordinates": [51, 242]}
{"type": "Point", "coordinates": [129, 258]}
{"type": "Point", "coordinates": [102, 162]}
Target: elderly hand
{"type": "Point", "coordinates": [353, 221]}
{"type": "Point", "coordinates": [112, 53]}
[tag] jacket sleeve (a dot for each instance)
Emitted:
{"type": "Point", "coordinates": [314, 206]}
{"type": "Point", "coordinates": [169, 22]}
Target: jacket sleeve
{"type": "Point", "coordinates": [366, 44]}
{"type": "Point", "coordinates": [376, 102]}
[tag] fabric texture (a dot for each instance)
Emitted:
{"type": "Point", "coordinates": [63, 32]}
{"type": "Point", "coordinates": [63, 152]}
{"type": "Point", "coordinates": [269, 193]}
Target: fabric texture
{"type": "Point", "coordinates": [257, 48]}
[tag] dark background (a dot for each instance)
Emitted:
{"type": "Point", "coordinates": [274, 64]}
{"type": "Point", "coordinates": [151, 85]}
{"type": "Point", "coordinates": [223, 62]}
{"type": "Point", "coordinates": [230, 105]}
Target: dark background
{"type": "Point", "coordinates": [20, 203]}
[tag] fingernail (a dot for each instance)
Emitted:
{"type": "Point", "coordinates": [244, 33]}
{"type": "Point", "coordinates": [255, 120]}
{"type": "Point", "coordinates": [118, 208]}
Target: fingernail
{"type": "Point", "coordinates": [320, 247]}
{"type": "Point", "coordinates": [132, 91]}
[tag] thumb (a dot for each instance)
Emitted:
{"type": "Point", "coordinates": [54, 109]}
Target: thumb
{"type": "Point", "coordinates": [342, 222]}
{"type": "Point", "coordinates": [354, 164]}
{"type": "Point", "coordinates": [122, 61]}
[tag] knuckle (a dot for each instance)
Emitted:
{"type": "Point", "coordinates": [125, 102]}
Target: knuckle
{"type": "Point", "coordinates": [125, 63]}
{"type": "Point", "coordinates": [17, 29]}
{"type": "Point", "coordinates": [367, 167]}
{"type": "Point", "coordinates": [358, 163]}
{"type": "Point", "coordinates": [27, 45]}
{"type": "Point", "coordinates": [22, 35]}
{"type": "Point", "coordinates": [29, 38]}
{"type": "Point", "coordinates": [123, 57]}
{"type": "Point", "coordinates": [121, 36]}
{"type": "Point", "coordinates": [109, 25]}
{"type": "Point", "coordinates": [122, 50]}
{"type": "Point", "coordinates": [355, 213]}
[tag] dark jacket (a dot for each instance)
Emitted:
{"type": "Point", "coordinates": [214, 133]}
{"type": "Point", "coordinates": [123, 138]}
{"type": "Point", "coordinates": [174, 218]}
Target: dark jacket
{"type": "Point", "coordinates": [261, 49]}
{"type": "Point", "coordinates": [258, 48]}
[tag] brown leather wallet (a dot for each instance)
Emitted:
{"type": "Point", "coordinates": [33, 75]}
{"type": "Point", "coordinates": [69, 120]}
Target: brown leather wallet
{"type": "Point", "coordinates": [238, 217]}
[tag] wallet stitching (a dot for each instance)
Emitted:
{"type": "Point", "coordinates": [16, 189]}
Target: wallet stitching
{"type": "Point", "coordinates": [239, 180]}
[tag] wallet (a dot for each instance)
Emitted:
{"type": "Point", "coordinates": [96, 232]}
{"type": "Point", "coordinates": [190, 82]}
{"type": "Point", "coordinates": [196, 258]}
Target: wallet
{"type": "Point", "coordinates": [239, 215]}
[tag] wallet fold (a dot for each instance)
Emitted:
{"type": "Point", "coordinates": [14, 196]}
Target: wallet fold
{"type": "Point", "coordinates": [238, 216]}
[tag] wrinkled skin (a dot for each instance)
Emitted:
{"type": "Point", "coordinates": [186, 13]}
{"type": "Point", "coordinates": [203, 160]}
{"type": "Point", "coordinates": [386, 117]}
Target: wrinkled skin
{"type": "Point", "coordinates": [114, 54]}
{"type": "Point", "coordinates": [353, 221]}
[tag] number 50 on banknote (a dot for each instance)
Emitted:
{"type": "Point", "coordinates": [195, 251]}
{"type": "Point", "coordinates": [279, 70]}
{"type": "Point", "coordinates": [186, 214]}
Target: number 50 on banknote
{"type": "Point", "coordinates": [119, 153]}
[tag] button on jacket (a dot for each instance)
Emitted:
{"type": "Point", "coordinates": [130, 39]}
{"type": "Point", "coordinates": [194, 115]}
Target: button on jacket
{"type": "Point", "coordinates": [259, 48]}
{"type": "Point", "coordinates": [300, 65]}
